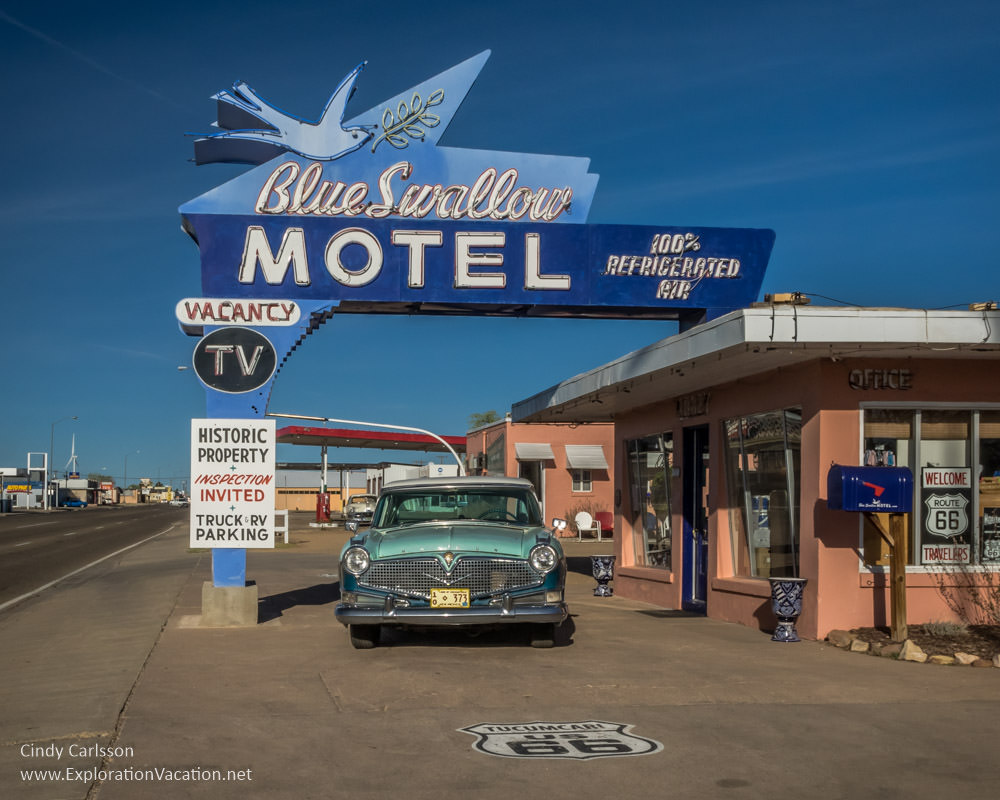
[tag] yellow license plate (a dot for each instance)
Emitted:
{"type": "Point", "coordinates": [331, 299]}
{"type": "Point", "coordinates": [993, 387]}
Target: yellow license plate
{"type": "Point", "coordinates": [449, 598]}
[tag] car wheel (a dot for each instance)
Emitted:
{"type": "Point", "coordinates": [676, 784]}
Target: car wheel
{"type": "Point", "coordinates": [543, 635]}
{"type": "Point", "coordinates": [364, 637]}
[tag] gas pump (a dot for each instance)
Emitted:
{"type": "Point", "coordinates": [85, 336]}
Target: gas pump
{"type": "Point", "coordinates": [322, 507]}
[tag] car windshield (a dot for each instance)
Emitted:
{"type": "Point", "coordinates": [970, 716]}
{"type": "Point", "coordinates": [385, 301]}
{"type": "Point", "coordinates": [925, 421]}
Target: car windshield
{"type": "Point", "coordinates": [493, 504]}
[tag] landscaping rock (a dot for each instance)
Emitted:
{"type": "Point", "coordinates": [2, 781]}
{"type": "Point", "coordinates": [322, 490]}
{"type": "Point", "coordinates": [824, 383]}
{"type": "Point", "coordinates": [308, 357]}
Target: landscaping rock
{"type": "Point", "coordinates": [910, 652]}
{"type": "Point", "coordinates": [939, 659]}
{"type": "Point", "coordinates": [965, 658]}
{"type": "Point", "coordinates": [857, 646]}
{"type": "Point", "coordinates": [891, 650]}
{"type": "Point", "coordinates": [982, 662]}
{"type": "Point", "coordinates": [840, 638]}
{"type": "Point", "coordinates": [996, 660]}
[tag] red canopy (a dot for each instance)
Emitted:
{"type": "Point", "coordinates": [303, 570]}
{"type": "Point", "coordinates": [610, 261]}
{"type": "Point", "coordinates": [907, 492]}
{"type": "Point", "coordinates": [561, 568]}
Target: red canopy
{"type": "Point", "coordinates": [376, 440]}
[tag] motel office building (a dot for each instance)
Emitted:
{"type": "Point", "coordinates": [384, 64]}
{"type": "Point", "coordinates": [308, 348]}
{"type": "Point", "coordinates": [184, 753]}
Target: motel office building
{"type": "Point", "coordinates": [724, 436]}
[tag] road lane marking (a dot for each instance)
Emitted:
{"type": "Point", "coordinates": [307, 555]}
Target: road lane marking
{"type": "Point", "coordinates": [50, 584]}
{"type": "Point", "coordinates": [22, 544]}
{"type": "Point", "coordinates": [71, 533]}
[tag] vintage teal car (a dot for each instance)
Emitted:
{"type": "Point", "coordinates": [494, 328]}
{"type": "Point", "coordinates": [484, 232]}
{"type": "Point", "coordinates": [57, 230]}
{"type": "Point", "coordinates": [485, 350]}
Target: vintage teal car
{"type": "Point", "coordinates": [463, 551]}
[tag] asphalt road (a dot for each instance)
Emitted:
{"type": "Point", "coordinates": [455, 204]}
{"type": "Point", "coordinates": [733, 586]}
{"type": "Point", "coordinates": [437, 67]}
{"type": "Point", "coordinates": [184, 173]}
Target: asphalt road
{"type": "Point", "coordinates": [37, 548]}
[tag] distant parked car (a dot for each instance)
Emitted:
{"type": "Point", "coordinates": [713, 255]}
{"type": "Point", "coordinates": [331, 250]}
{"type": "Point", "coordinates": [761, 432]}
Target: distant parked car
{"type": "Point", "coordinates": [180, 501]}
{"type": "Point", "coordinates": [453, 551]}
{"type": "Point", "coordinates": [360, 508]}
{"type": "Point", "coordinates": [74, 502]}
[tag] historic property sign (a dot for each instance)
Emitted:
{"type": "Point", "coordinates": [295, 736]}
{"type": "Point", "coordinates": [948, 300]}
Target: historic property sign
{"type": "Point", "coordinates": [232, 483]}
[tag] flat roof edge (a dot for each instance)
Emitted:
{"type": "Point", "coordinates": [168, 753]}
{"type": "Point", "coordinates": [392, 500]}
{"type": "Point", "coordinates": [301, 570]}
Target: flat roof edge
{"type": "Point", "coordinates": [777, 325]}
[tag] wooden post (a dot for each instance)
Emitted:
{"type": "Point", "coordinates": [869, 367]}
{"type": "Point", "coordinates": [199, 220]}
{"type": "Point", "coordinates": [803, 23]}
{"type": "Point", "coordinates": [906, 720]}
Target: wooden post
{"type": "Point", "coordinates": [896, 537]}
{"type": "Point", "coordinates": [897, 569]}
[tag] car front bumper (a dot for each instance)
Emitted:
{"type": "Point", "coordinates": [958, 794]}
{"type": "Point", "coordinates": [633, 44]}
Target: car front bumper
{"type": "Point", "coordinates": [392, 614]}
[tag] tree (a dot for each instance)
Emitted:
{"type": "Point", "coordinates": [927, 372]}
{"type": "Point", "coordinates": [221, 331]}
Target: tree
{"type": "Point", "coordinates": [484, 418]}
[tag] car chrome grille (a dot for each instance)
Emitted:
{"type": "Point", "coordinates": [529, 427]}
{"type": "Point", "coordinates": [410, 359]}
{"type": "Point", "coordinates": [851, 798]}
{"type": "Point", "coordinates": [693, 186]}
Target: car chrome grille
{"type": "Point", "coordinates": [415, 577]}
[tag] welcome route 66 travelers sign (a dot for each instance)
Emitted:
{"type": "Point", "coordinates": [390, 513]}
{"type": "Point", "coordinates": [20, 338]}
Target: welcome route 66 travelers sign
{"type": "Point", "coordinates": [580, 740]}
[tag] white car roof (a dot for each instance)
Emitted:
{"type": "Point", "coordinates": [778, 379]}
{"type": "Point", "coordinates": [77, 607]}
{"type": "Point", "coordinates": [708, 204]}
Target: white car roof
{"type": "Point", "coordinates": [465, 482]}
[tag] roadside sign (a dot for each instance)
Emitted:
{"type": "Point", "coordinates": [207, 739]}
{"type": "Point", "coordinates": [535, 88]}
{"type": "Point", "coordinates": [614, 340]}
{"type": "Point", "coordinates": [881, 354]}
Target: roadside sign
{"type": "Point", "coordinates": [193, 313]}
{"type": "Point", "coordinates": [946, 493]}
{"type": "Point", "coordinates": [235, 360]}
{"type": "Point", "coordinates": [232, 483]}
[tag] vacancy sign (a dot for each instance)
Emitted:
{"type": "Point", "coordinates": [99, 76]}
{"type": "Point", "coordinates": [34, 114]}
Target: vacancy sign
{"type": "Point", "coordinates": [232, 483]}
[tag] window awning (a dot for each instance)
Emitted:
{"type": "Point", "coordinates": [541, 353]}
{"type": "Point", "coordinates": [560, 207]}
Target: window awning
{"type": "Point", "coordinates": [585, 456]}
{"type": "Point", "coordinates": [528, 451]}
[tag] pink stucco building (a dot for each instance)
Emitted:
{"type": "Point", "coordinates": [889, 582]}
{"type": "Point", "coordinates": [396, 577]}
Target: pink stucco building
{"type": "Point", "coordinates": [724, 435]}
{"type": "Point", "coordinates": [568, 463]}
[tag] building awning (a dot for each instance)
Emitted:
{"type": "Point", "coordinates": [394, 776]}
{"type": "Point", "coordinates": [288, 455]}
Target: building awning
{"type": "Point", "coordinates": [529, 451]}
{"type": "Point", "coordinates": [585, 456]}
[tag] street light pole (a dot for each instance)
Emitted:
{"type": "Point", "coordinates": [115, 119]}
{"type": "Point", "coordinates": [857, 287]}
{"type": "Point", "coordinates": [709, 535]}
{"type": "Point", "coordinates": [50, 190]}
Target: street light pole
{"type": "Point", "coordinates": [48, 465]}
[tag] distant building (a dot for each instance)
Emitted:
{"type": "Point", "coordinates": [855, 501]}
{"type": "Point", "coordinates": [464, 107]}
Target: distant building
{"type": "Point", "coordinates": [568, 464]}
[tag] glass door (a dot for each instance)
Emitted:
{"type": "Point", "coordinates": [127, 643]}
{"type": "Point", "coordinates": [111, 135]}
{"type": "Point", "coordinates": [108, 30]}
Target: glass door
{"type": "Point", "coordinates": [695, 487]}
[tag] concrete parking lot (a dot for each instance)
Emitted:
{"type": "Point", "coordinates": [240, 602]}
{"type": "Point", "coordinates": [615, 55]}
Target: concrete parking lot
{"type": "Point", "coordinates": [287, 709]}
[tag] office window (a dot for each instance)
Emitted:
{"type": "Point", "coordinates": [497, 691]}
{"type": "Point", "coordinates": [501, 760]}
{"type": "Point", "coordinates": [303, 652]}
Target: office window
{"type": "Point", "coordinates": [763, 464]}
{"type": "Point", "coordinates": [954, 455]}
{"type": "Point", "coordinates": [582, 481]}
{"type": "Point", "coordinates": [650, 462]}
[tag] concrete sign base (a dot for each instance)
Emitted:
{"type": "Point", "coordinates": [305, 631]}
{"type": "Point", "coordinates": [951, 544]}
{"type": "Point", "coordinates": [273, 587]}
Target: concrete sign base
{"type": "Point", "coordinates": [228, 606]}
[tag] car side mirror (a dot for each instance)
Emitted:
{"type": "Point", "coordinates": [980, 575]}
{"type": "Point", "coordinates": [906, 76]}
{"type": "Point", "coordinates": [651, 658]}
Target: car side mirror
{"type": "Point", "coordinates": [351, 525]}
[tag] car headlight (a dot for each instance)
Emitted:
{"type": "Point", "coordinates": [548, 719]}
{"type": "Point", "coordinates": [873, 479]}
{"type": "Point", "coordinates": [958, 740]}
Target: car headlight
{"type": "Point", "coordinates": [543, 558]}
{"type": "Point", "coordinates": [356, 560]}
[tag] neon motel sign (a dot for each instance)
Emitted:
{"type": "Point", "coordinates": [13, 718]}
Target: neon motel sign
{"type": "Point", "coordinates": [372, 215]}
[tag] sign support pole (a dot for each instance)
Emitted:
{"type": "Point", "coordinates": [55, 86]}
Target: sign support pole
{"type": "Point", "coordinates": [895, 536]}
{"type": "Point", "coordinates": [897, 576]}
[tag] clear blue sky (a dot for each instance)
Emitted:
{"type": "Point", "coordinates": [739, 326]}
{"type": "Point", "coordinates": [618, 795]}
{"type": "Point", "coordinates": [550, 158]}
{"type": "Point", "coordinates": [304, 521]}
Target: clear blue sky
{"type": "Point", "coordinates": [866, 134]}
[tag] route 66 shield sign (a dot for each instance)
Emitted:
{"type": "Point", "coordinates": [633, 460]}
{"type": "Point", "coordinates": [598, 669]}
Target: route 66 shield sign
{"type": "Point", "coordinates": [946, 514]}
{"type": "Point", "coordinates": [580, 740]}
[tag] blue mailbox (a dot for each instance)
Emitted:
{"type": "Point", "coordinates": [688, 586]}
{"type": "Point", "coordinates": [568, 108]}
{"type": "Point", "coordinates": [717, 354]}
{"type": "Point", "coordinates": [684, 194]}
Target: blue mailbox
{"type": "Point", "coordinates": [884, 489]}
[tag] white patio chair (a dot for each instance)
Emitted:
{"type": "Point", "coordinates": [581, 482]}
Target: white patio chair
{"type": "Point", "coordinates": [585, 522]}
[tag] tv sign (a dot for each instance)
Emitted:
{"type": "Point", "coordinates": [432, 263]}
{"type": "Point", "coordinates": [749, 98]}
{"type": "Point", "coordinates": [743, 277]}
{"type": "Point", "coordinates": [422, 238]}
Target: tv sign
{"type": "Point", "coordinates": [235, 360]}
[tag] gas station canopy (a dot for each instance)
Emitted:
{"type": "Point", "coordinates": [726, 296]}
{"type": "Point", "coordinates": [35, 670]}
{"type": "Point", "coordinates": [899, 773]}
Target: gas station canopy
{"type": "Point", "coordinates": [376, 440]}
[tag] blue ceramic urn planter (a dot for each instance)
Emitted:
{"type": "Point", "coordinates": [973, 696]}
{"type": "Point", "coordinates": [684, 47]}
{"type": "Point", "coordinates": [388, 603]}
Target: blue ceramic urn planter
{"type": "Point", "coordinates": [786, 602]}
{"type": "Point", "coordinates": [603, 570]}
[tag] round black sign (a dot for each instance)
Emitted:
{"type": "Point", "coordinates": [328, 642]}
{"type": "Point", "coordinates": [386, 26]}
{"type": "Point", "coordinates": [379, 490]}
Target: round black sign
{"type": "Point", "coordinates": [235, 360]}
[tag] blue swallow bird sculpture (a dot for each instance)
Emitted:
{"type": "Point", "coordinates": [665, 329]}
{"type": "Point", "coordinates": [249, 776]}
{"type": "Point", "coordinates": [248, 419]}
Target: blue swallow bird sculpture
{"type": "Point", "coordinates": [256, 132]}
